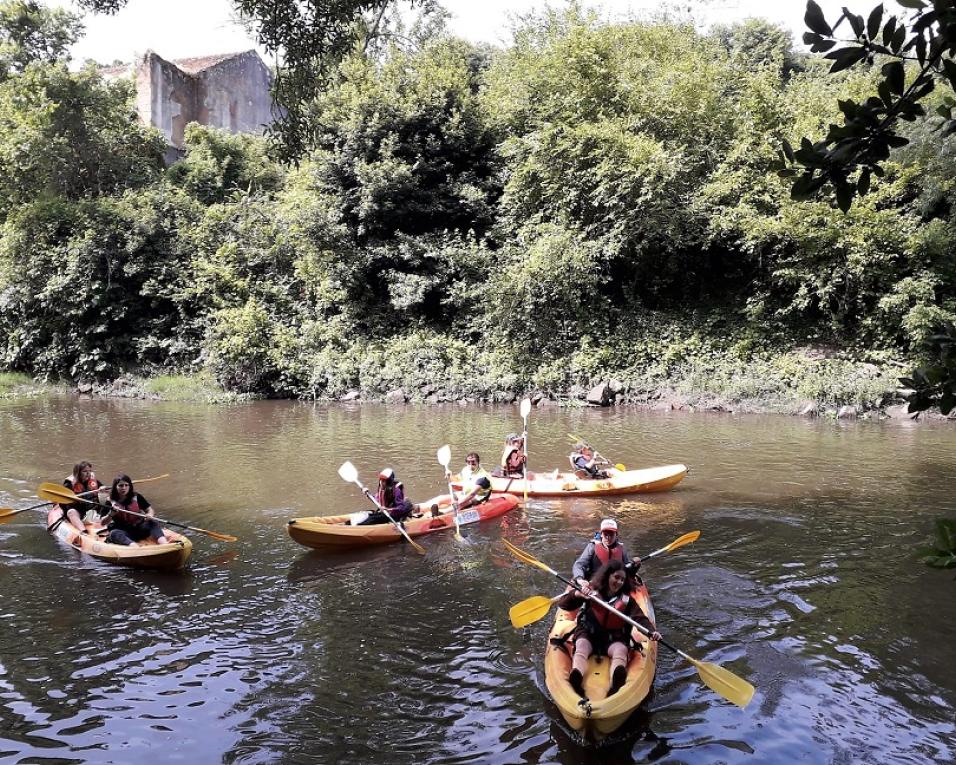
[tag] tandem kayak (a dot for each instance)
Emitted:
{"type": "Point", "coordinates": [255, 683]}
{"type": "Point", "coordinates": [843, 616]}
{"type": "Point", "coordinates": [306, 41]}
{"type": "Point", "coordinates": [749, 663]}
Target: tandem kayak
{"type": "Point", "coordinates": [598, 715]}
{"type": "Point", "coordinates": [332, 531]}
{"type": "Point", "coordinates": [170, 556]}
{"type": "Point", "coordinates": [566, 484]}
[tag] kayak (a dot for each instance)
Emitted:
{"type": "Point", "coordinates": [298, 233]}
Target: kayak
{"type": "Point", "coordinates": [599, 715]}
{"type": "Point", "coordinates": [332, 531]}
{"type": "Point", "coordinates": [566, 484]}
{"type": "Point", "coordinates": [170, 556]}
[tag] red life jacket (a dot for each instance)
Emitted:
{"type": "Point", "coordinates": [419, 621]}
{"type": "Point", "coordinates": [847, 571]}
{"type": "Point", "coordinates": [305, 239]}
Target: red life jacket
{"type": "Point", "coordinates": [604, 555]}
{"type": "Point", "coordinates": [91, 485]}
{"type": "Point", "coordinates": [610, 621]}
{"type": "Point", "coordinates": [126, 517]}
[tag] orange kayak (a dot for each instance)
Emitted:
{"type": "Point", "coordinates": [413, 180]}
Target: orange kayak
{"type": "Point", "coordinates": [599, 715]}
{"type": "Point", "coordinates": [332, 531]}
{"type": "Point", "coordinates": [170, 556]}
{"type": "Point", "coordinates": [565, 484]}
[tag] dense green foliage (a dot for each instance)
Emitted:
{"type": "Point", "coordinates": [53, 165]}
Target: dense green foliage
{"type": "Point", "coordinates": [593, 201]}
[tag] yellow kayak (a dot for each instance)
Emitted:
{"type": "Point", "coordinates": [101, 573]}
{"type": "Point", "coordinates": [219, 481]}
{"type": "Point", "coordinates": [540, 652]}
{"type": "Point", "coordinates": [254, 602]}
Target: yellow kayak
{"type": "Point", "coordinates": [170, 556]}
{"type": "Point", "coordinates": [599, 715]}
{"type": "Point", "coordinates": [565, 484]}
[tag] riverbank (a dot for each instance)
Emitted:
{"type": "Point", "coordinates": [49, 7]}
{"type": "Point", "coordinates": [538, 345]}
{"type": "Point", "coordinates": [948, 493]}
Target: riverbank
{"type": "Point", "coordinates": [807, 381]}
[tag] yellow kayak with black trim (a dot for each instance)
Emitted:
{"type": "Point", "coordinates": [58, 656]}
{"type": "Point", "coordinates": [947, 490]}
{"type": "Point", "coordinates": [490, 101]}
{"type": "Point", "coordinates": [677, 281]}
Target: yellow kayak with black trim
{"type": "Point", "coordinates": [598, 715]}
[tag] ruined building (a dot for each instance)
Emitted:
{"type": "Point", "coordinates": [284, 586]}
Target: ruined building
{"type": "Point", "coordinates": [228, 91]}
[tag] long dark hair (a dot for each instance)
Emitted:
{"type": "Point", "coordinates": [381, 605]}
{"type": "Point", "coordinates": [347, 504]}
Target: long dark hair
{"type": "Point", "coordinates": [114, 495]}
{"type": "Point", "coordinates": [600, 582]}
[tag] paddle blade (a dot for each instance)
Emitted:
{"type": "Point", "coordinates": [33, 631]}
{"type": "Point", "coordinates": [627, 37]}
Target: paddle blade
{"type": "Point", "coordinates": [529, 611]}
{"type": "Point", "coordinates": [6, 513]}
{"type": "Point", "coordinates": [348, 472]}
{"type": "Point", "coordinates": [684, 539]}
{"type": "Point", "coordinates": [621, 467]}
{"type": "Point", "coordinates": [444, 456]}
{"type": "Point", "coordinates": [54, 492]}
{"type": "Point", "coordinates": [724, 682]}
{"type": "Point", "coordinates": [215, 534]}
{"type": "Point", "coordinates": [527, 558]}
{"type": "Point", "coordinates": [525, 408]}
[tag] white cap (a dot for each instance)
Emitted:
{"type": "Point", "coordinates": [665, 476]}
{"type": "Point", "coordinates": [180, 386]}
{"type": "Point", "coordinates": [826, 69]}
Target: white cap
{"type": "Point", "coordinates": [609, 524]}
{"type": "Point", "coordinates": [387, 474]}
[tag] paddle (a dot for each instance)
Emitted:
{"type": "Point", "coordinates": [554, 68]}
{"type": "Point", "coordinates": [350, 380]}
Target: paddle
{"type": "Point", "coordinates": [8, 512]}
{"type": "Point", "coordinates": [722, 681]}
{"type": "Point", "coordinates": [56, 493]}
{"type": "Point", "coordinates": [525, 411]}
{"type": "Point", "coordinates": [530, 610]}
{"type": "Point", "coordinates": [578, 439]}
{"type": "Point", "coordinates": [444, 459]}
{"type": "Point", "coordinates": [349, 474]}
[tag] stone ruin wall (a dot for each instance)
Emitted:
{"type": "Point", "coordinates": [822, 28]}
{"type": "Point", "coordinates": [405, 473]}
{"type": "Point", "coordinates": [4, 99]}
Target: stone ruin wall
{"type": "Point", "coordinates": [234, 95]}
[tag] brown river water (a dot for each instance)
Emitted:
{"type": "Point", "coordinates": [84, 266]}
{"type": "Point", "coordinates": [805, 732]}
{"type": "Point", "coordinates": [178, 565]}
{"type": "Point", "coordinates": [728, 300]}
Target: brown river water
{"type": "Point", "coordinates": [803, 581]}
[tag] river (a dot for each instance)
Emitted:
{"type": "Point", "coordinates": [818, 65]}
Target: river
{"type": "Point", "coordinates": [803, 581]}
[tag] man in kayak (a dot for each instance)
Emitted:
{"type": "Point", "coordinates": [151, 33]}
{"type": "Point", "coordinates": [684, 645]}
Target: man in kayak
{"type": "Point", "coordinates": [476, 482]}
{"type": "Point", "coordinates": [585, 463]}
{"type": "Point", "coordinates": [605, 547]}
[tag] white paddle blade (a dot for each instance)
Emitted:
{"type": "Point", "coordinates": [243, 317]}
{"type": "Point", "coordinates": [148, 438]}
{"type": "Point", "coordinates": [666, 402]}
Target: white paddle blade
{"type": "Point", "coordinates": [444, 456]}
{"type": "Point", "coordinates": [348, 472]}
{"type": "Point", "coordinates": [525, 408]}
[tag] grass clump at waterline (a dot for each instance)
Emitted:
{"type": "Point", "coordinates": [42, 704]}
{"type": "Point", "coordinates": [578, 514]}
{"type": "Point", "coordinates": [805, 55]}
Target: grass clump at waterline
{"type": "Point", "coordinates": [200, 387]}
{"type": "Point", "coordinates": [20, 385]}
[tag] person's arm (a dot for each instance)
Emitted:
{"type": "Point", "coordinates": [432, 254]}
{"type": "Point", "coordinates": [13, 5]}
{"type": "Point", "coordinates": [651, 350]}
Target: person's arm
{"type": "Point", "coordinates": [571, 600]}
{"type": "Point", "coordinates": [637, 614]}
{"type": "Point", "coordinates": [144, 506]}
{"type": "Point", "coordinates": [579, 570]}
{"type": "Point", "coordinates": [632, 564]}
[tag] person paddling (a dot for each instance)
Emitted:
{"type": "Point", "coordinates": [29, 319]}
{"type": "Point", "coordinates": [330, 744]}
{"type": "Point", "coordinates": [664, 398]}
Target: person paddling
{"type": "Point", "coordinates": [82, 481]}
{"type": "Point", "coordinates": [600, 631]}
{"type": "Point", "coordinates": [476, 482]}
{"type": "Point", "coordinates": [513, 458]}
{"type": "Point", "coordinates": [585, 463]}
{"type": "Point", "coordinates": [605, 548]}
{"type": "Point", "coordinates": [128, 526]}
{"type": "Point", "coordinates": [391, 497]}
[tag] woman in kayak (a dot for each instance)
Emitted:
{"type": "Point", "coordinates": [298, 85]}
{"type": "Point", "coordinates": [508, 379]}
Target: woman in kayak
{"type": "Point", "coordinates": [82, 481]}
{"type": "Point", "coordinates": [391, 497]}
{"type": "Point", "coordinates": [601, 631]}
{"type": "Point", "coordinates": [132, 520]}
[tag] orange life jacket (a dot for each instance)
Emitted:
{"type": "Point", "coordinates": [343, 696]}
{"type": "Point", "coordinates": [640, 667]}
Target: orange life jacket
{"type": "Point", "coordinates": [604, 555]}
{"type": "Point", "coordinates": [608, 620]}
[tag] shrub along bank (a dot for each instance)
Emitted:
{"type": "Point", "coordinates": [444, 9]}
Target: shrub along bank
{"type": "Point", "coordinates": [593, 202]}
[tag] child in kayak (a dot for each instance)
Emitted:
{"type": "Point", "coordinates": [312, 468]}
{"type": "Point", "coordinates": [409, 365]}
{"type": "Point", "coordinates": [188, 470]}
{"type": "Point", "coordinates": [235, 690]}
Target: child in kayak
{"type": "Point", "coordinates": [601, 631]}
{"type": "Point", "coordinates": [585, 463]}
{"type": "Point", "coordinates": [390, 496]}
{"type": "Point", "coordinates": [132, 519]}
{"type": "Point", "coordinates": [513, 458]}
